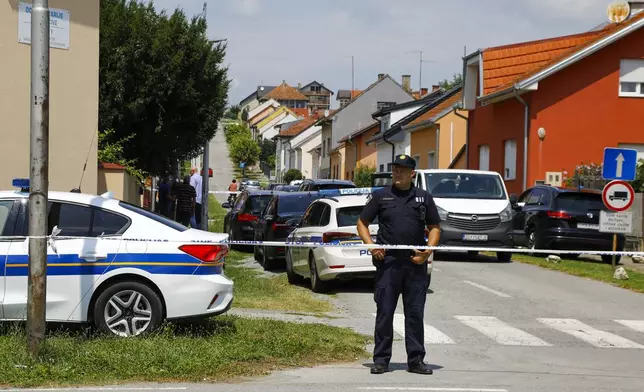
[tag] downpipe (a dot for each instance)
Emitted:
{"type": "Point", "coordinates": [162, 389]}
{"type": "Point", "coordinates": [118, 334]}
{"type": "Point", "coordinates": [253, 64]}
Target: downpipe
{"type": "Point", "coordinates": [526, 129]}
{"type": "Point", "coordinates": [393, 148]}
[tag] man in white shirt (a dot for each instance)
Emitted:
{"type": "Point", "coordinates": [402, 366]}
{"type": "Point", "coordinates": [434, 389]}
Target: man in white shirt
{"type": "Point", "coordinates": [196, 182]}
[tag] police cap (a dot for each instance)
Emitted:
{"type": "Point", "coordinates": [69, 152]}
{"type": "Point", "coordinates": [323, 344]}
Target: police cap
{"type": "Point", "coordinates": [405, 161]}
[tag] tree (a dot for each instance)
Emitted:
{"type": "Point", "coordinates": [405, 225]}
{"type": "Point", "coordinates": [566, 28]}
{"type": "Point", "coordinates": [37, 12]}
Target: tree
{"type": "Point", "coordinates": [363, 176]}
{"type": "Point", "coordinates": [233, 112]}
{"type": "Point", "coordinates": [448, 85]}
{"type": "Point", "coordinates": [638, 184]}
{"type": "Point", "coordinates": [112, 152]}
{"type": "Point", "coordinates": [292, 175]}
{"type": "Point", "coordinates": [162, 83]}
{"type": "Point", "coordinates": [244, 149]}
{"type": "Point", "coordinates": [244, 115]}
{"type": "Point", "coordinates": [234, 131]}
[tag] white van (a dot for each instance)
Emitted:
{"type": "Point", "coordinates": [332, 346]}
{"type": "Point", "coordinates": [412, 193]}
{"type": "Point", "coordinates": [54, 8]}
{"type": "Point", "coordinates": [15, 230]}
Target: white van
{"type": "Point", "coordinates": [474, 208]}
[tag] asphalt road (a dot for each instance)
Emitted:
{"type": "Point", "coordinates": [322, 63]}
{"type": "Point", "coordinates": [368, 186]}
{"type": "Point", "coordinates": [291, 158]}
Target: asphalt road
{"type": "Point", "coordinates": [222, 173]}
{"type": "Point", "coordinates": [491, 327]}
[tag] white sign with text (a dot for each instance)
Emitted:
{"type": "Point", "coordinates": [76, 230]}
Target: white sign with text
{"type": "Point", "coordinates": [58, 26]}
{"type": "Point", "coordinates": [616, 222]}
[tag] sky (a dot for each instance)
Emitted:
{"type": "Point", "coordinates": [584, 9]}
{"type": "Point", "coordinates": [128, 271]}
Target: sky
{"type": "Point", "coordinates": [303, 40]}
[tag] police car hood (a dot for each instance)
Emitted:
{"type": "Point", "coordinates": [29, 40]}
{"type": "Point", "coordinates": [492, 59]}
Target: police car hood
{"type": "Point", "coordinates": [472, 206]}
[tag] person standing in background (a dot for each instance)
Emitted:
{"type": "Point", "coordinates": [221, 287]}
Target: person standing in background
{"type": "Point", "coordinates": [186, 200]}
{"type": "Point", "coordinates": [196, 181]}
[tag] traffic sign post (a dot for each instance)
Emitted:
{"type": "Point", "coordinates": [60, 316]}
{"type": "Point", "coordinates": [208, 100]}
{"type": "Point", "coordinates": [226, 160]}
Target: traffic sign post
{"type": "Point", "coordinates": [618, 196]}
{"type": "Point", "coordinates": [619, 164]}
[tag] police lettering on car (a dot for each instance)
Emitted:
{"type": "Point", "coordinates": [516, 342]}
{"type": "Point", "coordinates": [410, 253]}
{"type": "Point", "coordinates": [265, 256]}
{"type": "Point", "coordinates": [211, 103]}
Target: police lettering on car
{"type": "Point", "coordinates": [403, 212]}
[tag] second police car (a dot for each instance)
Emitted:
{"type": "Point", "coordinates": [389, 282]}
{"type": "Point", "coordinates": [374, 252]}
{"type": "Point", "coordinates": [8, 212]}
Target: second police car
{"type": "Point", "coordinates": [332, 219]}
{"type": "Point", "coordinates": [126, 271]}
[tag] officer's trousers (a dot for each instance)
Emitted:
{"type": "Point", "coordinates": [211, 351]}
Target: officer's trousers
{"type": "Point", "coordinates": [397, 276]}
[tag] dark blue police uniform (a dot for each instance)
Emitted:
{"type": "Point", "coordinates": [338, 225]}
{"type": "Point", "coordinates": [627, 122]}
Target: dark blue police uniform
{"type": "Point", "coordinates": [402, 219]}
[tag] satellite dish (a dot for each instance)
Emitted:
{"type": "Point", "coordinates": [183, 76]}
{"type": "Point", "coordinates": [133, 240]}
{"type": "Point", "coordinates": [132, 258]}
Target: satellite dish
{"type": "Point", "coordinates": [618, 11]}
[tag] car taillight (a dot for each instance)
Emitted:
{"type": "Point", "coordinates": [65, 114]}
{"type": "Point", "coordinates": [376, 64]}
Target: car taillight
{"type": "Point", "coordinates": [246, 217]}
{"type": "Point", "coordinates": [334, 236]}
{"type": "Point", "coordinates": [205, 253]}
{"type": "Point", "coordinates": [558, 215]}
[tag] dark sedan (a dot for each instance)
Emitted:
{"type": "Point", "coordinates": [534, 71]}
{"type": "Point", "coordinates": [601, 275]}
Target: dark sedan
{"type": "Point", "coordinates": [240, 221]}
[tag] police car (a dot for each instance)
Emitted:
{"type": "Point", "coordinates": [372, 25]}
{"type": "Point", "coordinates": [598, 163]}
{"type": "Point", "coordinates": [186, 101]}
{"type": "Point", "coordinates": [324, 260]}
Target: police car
{"type": "Point", "coordinates": [332, 219]}
{"type": "Point", "coordinates": [126, 270]}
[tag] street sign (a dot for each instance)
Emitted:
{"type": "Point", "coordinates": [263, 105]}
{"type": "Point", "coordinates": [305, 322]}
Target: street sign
{"type": "Point", "coordinates": [618, 196]}
{"type": "Point", "coordinates": [619, 164]}
{"type": "Point", "coordinates": [242, 165]}
{"type": "Point", "coordinates": [616, 222]}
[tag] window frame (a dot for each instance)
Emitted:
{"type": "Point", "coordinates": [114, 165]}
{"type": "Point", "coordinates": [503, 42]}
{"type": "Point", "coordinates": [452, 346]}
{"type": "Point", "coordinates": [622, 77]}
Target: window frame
{"type": "Point", "coordinates": [639, 84]}
{"type": "Point", "coordinates": [486, 148]}
{"type": "Point", "coordinates": [510, 168]}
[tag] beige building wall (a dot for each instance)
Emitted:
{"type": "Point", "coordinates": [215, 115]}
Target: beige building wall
{"type": "Point", "coordinates": [452, 137]}
{"type": "Point", "coordinates": [73, 99]}
{"type": "Point", "coordinates": [122, 185]}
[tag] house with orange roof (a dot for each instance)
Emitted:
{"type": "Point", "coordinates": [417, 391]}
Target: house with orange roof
{"type": "Point", "coordinates": [319, 96]}
{"type": "Point", "coordinates": [346, 96]}
{"type": "Point", "coordinates": [293, 142]}
{"type": "Point", "coordinates": [357, 152]}
{"type": "Point", "coordinates": [267, 128]}
{"type": "Point", "coordinates": [539, 109]}
{"type": "Point", "coordinates": [287, 96]}
{"type": "Point", "coordinates": [262, 111]}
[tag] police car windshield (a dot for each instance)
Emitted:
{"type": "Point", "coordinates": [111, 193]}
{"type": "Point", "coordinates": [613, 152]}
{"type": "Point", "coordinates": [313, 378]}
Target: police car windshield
{"type": "Point", "coordinates": [155, 217]}
{"type": "Point", "coordinates": [348, 216]}
{"type": "Point", "coordinates": [465, 186]}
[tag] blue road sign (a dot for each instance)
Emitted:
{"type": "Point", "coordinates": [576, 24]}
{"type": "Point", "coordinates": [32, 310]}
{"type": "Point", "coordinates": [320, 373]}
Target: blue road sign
{"type": "Point", "coordinates": [619, 164]}
{"type": "Point", "coordinates": [242, 165]}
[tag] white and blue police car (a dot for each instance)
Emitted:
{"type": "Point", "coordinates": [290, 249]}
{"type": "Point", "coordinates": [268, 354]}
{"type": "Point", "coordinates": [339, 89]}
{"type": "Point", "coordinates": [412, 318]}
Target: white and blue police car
{"type": "Point", "coordinates": [125, 270]}
{"type": "Point", "coordinates": [333, 219]}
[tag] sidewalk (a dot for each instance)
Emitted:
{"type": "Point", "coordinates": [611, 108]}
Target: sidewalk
{"type": "Point", "coordinates": [222, 173]}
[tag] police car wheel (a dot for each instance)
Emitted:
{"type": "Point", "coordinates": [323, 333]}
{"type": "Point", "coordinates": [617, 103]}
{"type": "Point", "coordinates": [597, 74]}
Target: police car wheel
{"type": "Point", "coordinates": [291, 276]}
{"type": "Point", "coordinates": [317, 285]}
{"type": "Point", "coordinates": [128, 309]}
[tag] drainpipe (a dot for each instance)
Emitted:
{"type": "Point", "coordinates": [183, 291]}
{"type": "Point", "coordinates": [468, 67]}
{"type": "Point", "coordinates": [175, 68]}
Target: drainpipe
{"type": "Point", "coordinates": [467, 136]}
{"type": "Point", "coordinates": [438, 150]}
{"type": "Point", "coordinates": [526, 129]}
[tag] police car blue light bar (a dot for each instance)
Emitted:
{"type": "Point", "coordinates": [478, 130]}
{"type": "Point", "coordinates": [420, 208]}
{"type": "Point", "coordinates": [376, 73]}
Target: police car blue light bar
{"type": "Point", "coordinates": [348, 191]}
{"type": "Point", "coordinates": [22, 183]}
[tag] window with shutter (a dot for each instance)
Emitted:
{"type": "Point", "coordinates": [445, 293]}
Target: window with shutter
{"type": "Point", "coordinates": [510, 167]}
{"type": "Point", "coordinates": [484, 157]}
{"type": "Point", "coordinates": [631, 78]}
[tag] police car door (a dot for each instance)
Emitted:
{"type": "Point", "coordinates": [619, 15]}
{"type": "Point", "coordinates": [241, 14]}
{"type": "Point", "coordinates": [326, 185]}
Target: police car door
{"type": "Point", "coordinates": [73, 264]}
{"type": "Point", "coordinates": [7, 224]}
{"type": "Point", "coordinates": [309, 231]}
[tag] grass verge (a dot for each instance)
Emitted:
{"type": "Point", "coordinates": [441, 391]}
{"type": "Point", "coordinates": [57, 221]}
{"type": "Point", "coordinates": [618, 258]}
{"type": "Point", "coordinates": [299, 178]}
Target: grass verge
{"type": "Point", "coordinates": [253, 291]}
{"type": "Point", "coordinates": [588, 269]}
{"type": "Point", "coordinates": [219, 349]}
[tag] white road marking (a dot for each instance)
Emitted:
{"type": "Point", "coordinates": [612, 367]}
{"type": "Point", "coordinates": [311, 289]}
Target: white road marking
{"type": "Point", "coordinates": [501, 332]}
{"type": "Point", "coordinates": [489, 290]}
{"type": "Point", "coordinates": [637, 325]}
{"type": "Point", "coordinates": [589, 334]}
{"type": "Point", "coordinates": [432, 334]}
{"type": "Point", "coordinates": [437, 269]}
{"type": "Point", "coordinates": [432, 389]}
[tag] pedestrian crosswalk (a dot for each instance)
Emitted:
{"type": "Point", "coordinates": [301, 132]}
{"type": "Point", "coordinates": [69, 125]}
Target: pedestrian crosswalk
{"type": "Point", "coordinates": [492, 329]}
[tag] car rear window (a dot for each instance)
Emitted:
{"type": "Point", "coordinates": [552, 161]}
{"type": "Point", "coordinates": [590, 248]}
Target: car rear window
{"type": "Point", "coordinates": [333, 186]}
{"type": "Point", "coordinates": [155, 217]}
{"type": "Point", "coordinates": [348, 216]}
{"type": "Point", "coordinates": [573, 201]}
{"type": "Point", "coordinates": [295, 204]}
{"type": "Point", "coordinates": [256, 203]}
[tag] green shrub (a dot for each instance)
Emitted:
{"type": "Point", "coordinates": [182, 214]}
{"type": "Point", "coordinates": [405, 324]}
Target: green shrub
{"type": "Point", "coordinates": [363, 176]}
{"type": "Point", "coordinates": [292, 175]}
{"type": "Point", "coordinates": [233, 131]}
{"type": "Point", "coordinates": [244, 149]}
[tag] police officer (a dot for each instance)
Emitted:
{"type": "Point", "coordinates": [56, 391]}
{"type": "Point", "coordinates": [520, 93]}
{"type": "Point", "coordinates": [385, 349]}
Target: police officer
{"type": "Point", "coordinates": [403, 212]}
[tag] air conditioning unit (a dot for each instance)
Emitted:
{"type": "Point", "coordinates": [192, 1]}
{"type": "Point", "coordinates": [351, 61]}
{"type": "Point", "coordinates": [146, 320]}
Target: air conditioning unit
{"type": "Point", "coordinates": [554, 178]}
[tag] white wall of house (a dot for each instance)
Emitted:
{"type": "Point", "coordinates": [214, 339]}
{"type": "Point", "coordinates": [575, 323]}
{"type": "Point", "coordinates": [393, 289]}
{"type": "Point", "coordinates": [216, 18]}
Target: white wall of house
{"type": "Point", "coordinates": [310, 160]}
{"type": "Point", "coordinates": [270, 130]}
{"type": "Point", "coordinates": [325, 157]}
{"type": "Point", "coordinates": [263, 106]}
{"type": "Point", "coordinates": [402, 145]}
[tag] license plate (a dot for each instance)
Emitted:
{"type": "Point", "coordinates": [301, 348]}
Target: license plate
{"type": "Point", "coordinates": [474, 237]}
{"type": "Point", "coordinates": [588, 226]}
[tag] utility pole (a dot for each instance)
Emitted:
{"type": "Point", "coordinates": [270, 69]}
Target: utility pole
{"type": "Point", "coordinates": [420, 73]}
{"type": "Point", "coordinates": [205, 167]}
{"type": "Point", "coordinates": [352, 78]}
{"type": "Point", "coordinates": [39, 176]}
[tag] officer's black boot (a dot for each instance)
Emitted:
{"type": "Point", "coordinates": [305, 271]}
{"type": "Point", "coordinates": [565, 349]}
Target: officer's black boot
{"type": "Point", "coordinates": [420, 368]}
{"type": "Point", "coordinates": [379, 369]}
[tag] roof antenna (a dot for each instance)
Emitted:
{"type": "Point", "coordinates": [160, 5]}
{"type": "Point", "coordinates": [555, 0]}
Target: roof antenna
{"type": "Point", "coordinates": [78, 190]}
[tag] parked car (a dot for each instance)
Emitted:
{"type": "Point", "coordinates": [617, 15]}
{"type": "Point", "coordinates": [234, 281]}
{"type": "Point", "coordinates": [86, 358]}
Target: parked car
{"type": "Point", "coordinates": [240, 221]}
{"type": "Point", "coordinates": [474, 208]}
{"type": "Point", "coordinates": [286, 188]}
{"type": "Point", "coordinates": [250, 184]}
{"type": "Point", "coordinates": [332, 220]}
{"type": "Point", "coordinates": [273, 185]}
{"type": "Point", "coordinates": [281, 216]}
{"type": "Point", "coordinates": [381, 179]}
{"type": "Point", "coordinates": [548, 217]}
{"type": "Point", "coordinates": [320, 184]}
{"type": "Point", "coordinates": [126, 271]}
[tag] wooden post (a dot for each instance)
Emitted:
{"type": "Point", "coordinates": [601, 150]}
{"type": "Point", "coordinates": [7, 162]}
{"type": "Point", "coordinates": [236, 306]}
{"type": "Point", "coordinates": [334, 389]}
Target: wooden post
{"type": "Point", "coordinates": [614, 250]}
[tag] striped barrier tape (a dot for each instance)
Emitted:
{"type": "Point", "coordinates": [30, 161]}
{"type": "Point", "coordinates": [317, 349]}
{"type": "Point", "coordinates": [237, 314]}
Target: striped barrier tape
{"type": "Point", "coordinates": [353, 245]}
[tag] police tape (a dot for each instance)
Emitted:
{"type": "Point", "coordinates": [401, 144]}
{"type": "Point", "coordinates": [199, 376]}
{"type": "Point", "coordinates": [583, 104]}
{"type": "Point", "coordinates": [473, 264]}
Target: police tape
{"type": "Point", "coordinates": [337, 244]}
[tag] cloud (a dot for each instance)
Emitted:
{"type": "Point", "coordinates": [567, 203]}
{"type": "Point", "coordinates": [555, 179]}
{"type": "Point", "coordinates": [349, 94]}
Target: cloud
{"type": "Point", "coordinates": [247, 7]}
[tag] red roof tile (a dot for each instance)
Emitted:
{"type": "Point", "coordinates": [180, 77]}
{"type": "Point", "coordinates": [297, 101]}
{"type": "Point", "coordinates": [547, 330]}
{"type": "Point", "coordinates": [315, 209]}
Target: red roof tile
{"type": "Point", "coordinates": [298, 128]}
{"type": "Point", "coordinates": [284, 91]}
{"type": "Point", "coordinates": [504, 66]}
{"type": "Point", "coordinates": [438, 109]}
{"type": "Point", "coordinates": [301, 112]}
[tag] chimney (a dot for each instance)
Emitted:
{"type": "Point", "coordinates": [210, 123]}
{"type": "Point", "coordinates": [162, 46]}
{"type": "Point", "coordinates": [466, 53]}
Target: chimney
{"type": "Point", "coordinates": [435, 87]}
{"type": "Point", "coordinates": [406, 82]}
{"type": "Point", "coordinates": [423, 91]}
{"type": "Point", "coordinates": [299, 85]}
{"type": "Point", "coordinates": [381, 76]}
